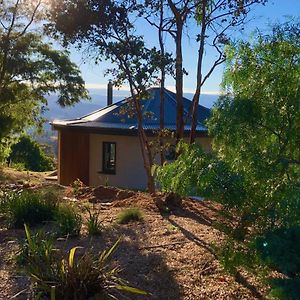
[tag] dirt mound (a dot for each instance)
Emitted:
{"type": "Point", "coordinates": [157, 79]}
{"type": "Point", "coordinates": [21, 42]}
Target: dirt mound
{"type": "Point", "coordinates": [103, 193]}
{"type": "Point", "coordinates": [141, 200]}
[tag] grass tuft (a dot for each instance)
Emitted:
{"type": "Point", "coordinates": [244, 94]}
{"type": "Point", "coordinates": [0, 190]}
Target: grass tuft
{"type": "Point", "coordinates": [28, 207]}
{"type": "Point", "coordinates": [129, 215]}
{"type": "Point", "coordinates": [68, 220]}
{"type": "Point", "coordinates": [93, 223]}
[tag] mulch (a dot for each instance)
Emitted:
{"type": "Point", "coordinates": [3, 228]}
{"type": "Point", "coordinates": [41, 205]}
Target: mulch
{"type": "Point", "coordinates": [169, 253]}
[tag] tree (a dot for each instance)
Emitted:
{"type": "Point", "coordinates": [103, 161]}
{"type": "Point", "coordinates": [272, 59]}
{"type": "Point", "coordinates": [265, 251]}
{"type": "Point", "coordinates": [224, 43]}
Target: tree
{"type": "Point", "coordinates": [215, 19]}
{"type": "Point", "coordinates": [256, 126]}
{"type": "Point", "coordinates": [255, 167]}
{"type": "Point", "coordinates": [105, 27]}
{"type": "Point", "coordinates": [30, 155]}
{"type": "Point", "coordinates": [30, 69]}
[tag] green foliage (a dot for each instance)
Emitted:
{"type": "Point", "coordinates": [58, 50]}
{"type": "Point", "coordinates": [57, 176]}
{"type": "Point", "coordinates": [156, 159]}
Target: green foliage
{"type": "Point", "coordinates": [28, 153]}
{"type": "Point", "coordinates": [93, 223]}
{"type": "Point", "coordinates": [30, 69]}
{"type": "Point", "coordinates": [27, 207]}
{"type": "Point", "coordinates": [68, 220]}
{"type": "Point", "coordinates": [280, 250]}
{"type": "Point", "coordinates": [72, 276]}
{"type": "Point", "coordinates": [256, 130]}
{"type": "Point", "coordinates": [37, 245]}
{"type": "Point", "coordinates": [129, 215]}
{"type": "Point", "coordinates": [77, 185]}
{"type": "Point", "coordinates": [285, 289]}
{"type": "Point", "coordinates": [204, 175]}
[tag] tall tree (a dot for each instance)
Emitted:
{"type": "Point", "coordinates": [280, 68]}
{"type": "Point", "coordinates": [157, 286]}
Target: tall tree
{"type": "Point", "coordinates": [256, 127]}
{"type": "Point", "coordinates": [30, 69]}
{"type": "Point", "coordinates": [215, 20]}
{"type": "Point", "coordinates": [107, 29]}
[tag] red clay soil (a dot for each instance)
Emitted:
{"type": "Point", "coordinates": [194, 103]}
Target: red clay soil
{"type": "Point", "coordinates": [169, 255]}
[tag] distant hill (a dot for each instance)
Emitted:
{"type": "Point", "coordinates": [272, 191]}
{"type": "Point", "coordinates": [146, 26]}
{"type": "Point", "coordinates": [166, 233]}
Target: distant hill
{"type": "Point", "coordinates": [49, 137]}
{"type": "Point", "coordinates": [98, 101]}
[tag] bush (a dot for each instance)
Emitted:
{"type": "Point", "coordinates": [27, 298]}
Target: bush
{"type": "Point", "coordinates": [129, 215]}
{"type": "Point", "coordinates": [68, 220]}
{"type": "Point", "coordinates": [93, 223]}
{"type": "Point", "coordinates": [280, 249]}
{"type": "Point", "coordinates": [58, 276]}
{"type": "Point", "coordinates": [28, 153]}
{"type": "Point", "coordinates": [27, 207]}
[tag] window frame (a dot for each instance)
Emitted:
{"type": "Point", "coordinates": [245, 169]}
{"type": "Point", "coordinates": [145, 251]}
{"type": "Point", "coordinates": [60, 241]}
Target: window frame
{"type": "Point", "coordinates": [104, 169]}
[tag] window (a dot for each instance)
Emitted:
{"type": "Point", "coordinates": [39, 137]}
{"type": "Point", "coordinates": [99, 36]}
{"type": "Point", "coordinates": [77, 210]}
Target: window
{"type": "Point", "coordinates": [109, 158]}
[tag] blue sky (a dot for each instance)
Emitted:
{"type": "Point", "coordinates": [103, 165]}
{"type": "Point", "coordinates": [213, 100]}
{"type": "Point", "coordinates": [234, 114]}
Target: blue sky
{"type": "Point", "coordinates": [274, 10]}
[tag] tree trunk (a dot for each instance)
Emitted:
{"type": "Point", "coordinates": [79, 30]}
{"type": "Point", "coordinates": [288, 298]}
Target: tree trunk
{"type": "Point", "coordinates": [179, 84]}
{"type": "Point", "coordinates": [195, 102]}
{"type": "Point", "coordinates": [179, 72]}
{"type": "Point", "coordinates": [145, 147]}
{"type": "Point", "coordinates": [162, 85]}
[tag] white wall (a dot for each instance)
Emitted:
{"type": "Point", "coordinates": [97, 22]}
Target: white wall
{"type": "Point", "coordinates": [130, 171]}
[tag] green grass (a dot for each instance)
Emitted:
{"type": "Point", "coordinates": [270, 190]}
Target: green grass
{"type": "Point", "coordinates": [68, 220]}
{"type": "Point", "coordinates": [93, 223]}
{"type": "Point", "coordinates": [129, 215]}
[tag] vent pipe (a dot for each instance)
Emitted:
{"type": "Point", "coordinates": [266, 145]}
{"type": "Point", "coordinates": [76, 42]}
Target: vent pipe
{"type": "Point", "coordinates": [109, 93]}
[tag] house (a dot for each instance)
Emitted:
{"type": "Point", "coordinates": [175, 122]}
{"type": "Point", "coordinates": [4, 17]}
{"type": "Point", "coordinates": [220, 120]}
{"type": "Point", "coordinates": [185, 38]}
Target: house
{"type": "Point", "coordinates": [103, 147]}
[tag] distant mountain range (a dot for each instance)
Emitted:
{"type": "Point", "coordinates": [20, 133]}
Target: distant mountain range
{"type": "Point", "coordinates": [98, 101]}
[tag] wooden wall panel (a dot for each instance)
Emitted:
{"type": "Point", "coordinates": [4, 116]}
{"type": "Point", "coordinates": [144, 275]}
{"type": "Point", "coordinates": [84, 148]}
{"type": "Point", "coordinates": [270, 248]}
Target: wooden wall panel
{"type": "Point", "coordinates": [73, 157]}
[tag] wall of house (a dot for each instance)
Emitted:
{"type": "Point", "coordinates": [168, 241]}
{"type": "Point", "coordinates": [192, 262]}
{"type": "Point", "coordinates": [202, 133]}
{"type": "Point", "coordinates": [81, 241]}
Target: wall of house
{"type": "Point", "coordinates": [73, 157]}
{"type": "Point", "coordinates": [130, 171]}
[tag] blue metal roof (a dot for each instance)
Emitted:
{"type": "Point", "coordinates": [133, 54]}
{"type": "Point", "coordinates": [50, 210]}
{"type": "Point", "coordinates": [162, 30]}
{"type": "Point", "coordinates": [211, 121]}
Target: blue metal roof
{"type": "Point", "coordinates": [118, 116]}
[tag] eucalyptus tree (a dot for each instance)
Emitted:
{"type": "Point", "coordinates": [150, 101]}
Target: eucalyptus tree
{"type": "Point", "coordinates": [216, 20]}
{"type": "Point", "coordinates": [30, 68]}
{"type": "Point", "coordinates": [105, 29]}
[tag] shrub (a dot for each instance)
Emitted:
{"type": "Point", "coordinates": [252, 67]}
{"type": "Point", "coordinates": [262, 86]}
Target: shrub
{"type": "Point", "coordinates": [280, 250]}
{"type": "Point", "coordinates": [59, 276]}
{"type": "Point", "coordinates": [93, 223]}
{"type": "Point", "coordinates": [29, 153]}
{"type": "Point", "coordinates": [77, 185]}
{"type": "Point", "coordinates": [128, 215]}
{"type": "Point", "coordinates": [27, 207]}
{"type": "Point", "coordinates": [68, 220]}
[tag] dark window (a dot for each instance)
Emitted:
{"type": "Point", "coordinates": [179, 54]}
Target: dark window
{"type": "Point", "coordinates": [109, 158]}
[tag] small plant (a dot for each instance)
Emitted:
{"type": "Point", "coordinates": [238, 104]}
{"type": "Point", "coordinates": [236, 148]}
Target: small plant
{"type": "Point", "coordinates": [77, 185]}
{"type": "Point", "coordinates": [93, 223]}
{"type": "Point", "coordinates": [68, 220]}
{"type": "Point", "coordinates": [37, 245]}
{"type": "Point", "coordinates": [55, 275]}
{"type": "Point", "coordinates": [27, 207]}
{"type": "Point", "coordinates": [129, 215]}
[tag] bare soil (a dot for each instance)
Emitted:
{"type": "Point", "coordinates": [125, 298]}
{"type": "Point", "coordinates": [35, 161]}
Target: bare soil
{"type": "Point", "coordinates": [169, 254]}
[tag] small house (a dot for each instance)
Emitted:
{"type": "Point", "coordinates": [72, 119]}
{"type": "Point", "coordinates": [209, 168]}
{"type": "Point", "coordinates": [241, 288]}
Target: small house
{"type": "Point", "coordinates": [103, 147]}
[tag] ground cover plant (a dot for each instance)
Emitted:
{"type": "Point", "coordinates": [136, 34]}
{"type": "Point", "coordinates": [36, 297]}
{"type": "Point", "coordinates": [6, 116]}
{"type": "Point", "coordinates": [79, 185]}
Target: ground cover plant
{"type": "Point", "coordinates": [129, 215]}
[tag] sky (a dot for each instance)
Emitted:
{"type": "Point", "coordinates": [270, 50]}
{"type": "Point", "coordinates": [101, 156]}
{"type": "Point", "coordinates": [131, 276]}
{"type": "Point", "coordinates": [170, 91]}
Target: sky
{"type": "Point", "coordinates": [260, 17]}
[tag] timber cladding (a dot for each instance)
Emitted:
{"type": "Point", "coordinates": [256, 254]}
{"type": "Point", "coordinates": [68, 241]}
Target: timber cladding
{"type": "Point", "coordinates": [73, 156]}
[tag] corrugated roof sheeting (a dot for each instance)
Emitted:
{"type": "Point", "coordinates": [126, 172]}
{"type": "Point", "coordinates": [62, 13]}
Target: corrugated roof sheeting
{"type": "Point", "coordinates": [118, 116]}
